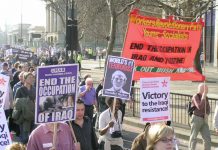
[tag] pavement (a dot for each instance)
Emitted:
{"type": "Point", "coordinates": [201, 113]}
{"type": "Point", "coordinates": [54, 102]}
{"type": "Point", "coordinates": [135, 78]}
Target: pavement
{"type": "Point", "coordinates": [133, 124]}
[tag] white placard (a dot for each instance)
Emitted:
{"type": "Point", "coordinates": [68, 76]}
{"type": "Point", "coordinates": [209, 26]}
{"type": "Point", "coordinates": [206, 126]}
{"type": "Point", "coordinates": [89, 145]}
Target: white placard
{"type": "Point", "coordinates": [155, 99]}
{"type": "Point", "coordinates": [4, 82]}
{"type": "Point", "coordinates": [5, 138]}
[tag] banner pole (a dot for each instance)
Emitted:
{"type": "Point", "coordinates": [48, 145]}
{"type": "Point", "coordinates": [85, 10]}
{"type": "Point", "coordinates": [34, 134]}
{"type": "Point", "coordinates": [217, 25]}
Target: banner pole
{"type": "Point", "coordinates": [204, 69]}
{"type": "Point", "coordinates": [114, 105]}
{"type": "Point", "coordinates": [204, 54]}
{"type": "Point", "coordinates": [55, 135]}
{"type": "Point", "coordinates": [71, 128]}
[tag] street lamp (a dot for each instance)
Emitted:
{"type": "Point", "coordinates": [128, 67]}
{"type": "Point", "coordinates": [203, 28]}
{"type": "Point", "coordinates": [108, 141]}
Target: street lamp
{"type": "Point", "coordinates": [71, 33]}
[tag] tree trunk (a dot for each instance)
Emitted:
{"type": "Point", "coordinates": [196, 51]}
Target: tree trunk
{"type": "Point", "coordinates": [112, 35]}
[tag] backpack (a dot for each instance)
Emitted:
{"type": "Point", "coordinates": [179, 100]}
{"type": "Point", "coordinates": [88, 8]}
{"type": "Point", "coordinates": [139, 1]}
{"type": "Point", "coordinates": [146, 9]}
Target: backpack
{"type": "Point", "coordinates": [24, 109]}
{"type": "Point", "coordinates": [190, 107]}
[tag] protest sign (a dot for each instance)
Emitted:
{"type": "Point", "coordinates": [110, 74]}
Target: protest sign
{"type": "Point", "coordinates": [19, 54]}
{"type": "Point", "coordinates": [5, 138]}
{"type": "Point", "coordinates": [4, 84]}
{"type": "Point", "coordinates": [118, 77]}
{"type": "Point", "coordinates": [162, 47]}
{"type": "Point", "coordinates": [155, 99]}
{"type": "Point", "coordinates": [56, 93]}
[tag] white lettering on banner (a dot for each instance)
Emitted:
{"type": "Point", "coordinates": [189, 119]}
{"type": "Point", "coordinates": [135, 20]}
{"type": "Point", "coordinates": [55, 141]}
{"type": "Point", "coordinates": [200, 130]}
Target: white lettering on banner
{"type": "Point", "coordinates": [45, 82]}
{"type": "Point", "coordinates": [56, 116]}
{"type": "Point", "coordinates": [57, 70]}
{"type": "Point", "coordinates": [43, 116]}
{"type": "Point", "coordinates": [67, 80]}
{"type": "Point", "coordinates": [57, 90]}
{"type": "Point", "coordinates": [64, 115]}
{"type": "Point", "coordinates": [118, 61]}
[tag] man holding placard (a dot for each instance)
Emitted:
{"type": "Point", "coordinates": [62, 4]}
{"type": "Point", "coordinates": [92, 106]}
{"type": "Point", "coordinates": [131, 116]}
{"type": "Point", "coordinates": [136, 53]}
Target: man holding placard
{"type": "Point", "coordinates": [42, 137]}
{"type": "Point", "coordinates": [54, 83]}
{"type": "Point", "coordinates": [83, 129]}
{"type": "Point", "coordinates": [110, 127]}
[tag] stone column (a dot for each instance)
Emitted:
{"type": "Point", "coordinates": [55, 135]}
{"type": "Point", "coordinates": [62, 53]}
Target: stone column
{"type": "Point", "coordinates": [55, 22]}
{"type": "Point", "coordinates": [51, 20]}
{"type": "Point", "coordinates": [47, 18]}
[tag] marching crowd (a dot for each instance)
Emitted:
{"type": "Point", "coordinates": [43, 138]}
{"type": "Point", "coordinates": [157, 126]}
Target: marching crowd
{"type": "Point", "coordinates": [80, 134]}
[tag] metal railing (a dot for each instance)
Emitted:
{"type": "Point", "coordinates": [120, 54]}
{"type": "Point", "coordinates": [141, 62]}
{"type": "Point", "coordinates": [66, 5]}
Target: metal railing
{"type": "Point", "coordinates": [179, 102]}
{"type": "Point", "coordinates": [179, 114]}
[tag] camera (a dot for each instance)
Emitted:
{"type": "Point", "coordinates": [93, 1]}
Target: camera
{"type": "Point", "coordinates": [116, 134]}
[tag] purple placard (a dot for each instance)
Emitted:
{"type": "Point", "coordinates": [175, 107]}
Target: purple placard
{"type": "Point", "coordinates": [56, 93]}
{"type": "Point", "coordinates": [20, 54]}
{"type": "Point", "coordinates": [118, 77]}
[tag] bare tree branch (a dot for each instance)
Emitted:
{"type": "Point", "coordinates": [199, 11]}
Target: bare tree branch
{"type": "Point", "coordinates": [110, 3]}
{"type": "Point", "coordinates": [202, 8]}
{"type": "Point", "coordinates": [125, 7]}
{"type": "Point", "coordinates": [167, 7]}
{"type": "Point", "coordinates": [202, 13]}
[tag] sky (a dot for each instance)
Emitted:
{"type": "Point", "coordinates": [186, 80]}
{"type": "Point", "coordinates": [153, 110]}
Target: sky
{"type": "Point", "coordinates": [33, 12]}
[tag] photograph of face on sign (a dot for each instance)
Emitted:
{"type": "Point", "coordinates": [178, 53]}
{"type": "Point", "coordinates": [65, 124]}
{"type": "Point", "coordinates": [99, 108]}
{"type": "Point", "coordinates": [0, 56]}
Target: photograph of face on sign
{"type": "Point", "coordinates": [56, 103]}
{"type": "Point", "coordinates": [117, 83]}
{"type": "Point", "coordinates": [68, 101]}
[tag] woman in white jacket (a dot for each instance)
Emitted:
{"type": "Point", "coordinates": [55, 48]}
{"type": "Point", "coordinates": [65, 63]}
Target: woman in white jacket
{"type": "Point", "coordinates": [215, 119]}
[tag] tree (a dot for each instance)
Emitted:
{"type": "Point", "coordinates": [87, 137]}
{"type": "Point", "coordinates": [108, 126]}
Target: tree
{"type": "Point", "coordinates": [115, 9]}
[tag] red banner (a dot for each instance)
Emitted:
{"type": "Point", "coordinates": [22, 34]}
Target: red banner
{"type": "Point", "coordinates": [163, 47]}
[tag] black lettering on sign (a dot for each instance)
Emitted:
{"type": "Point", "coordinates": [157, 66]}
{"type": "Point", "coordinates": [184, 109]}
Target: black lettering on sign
{"type": "Point", "coordinates": [138, 46]}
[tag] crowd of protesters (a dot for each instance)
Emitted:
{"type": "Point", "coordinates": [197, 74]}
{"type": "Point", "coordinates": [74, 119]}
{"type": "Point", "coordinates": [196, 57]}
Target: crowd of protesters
{"type": "Point", "coordinates": [80, 133]}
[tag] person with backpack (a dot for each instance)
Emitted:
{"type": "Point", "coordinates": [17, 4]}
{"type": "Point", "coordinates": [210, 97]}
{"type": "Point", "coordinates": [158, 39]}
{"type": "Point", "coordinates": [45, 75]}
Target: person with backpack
{"type": "Point", "coordinates": [24, 107]}
{"type": "Point", "coordinates": [199, 121]}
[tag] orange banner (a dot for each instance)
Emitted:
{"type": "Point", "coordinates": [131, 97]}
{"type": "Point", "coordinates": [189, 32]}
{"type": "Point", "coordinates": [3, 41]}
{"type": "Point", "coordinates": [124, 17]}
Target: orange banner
{"type": "Point", "coordinates": [163, 47]}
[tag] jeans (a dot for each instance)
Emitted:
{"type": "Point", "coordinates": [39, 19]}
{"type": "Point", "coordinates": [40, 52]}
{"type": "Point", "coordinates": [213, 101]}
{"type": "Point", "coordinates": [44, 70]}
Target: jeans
{"type": "Point", "coordinates": [24, 135]}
